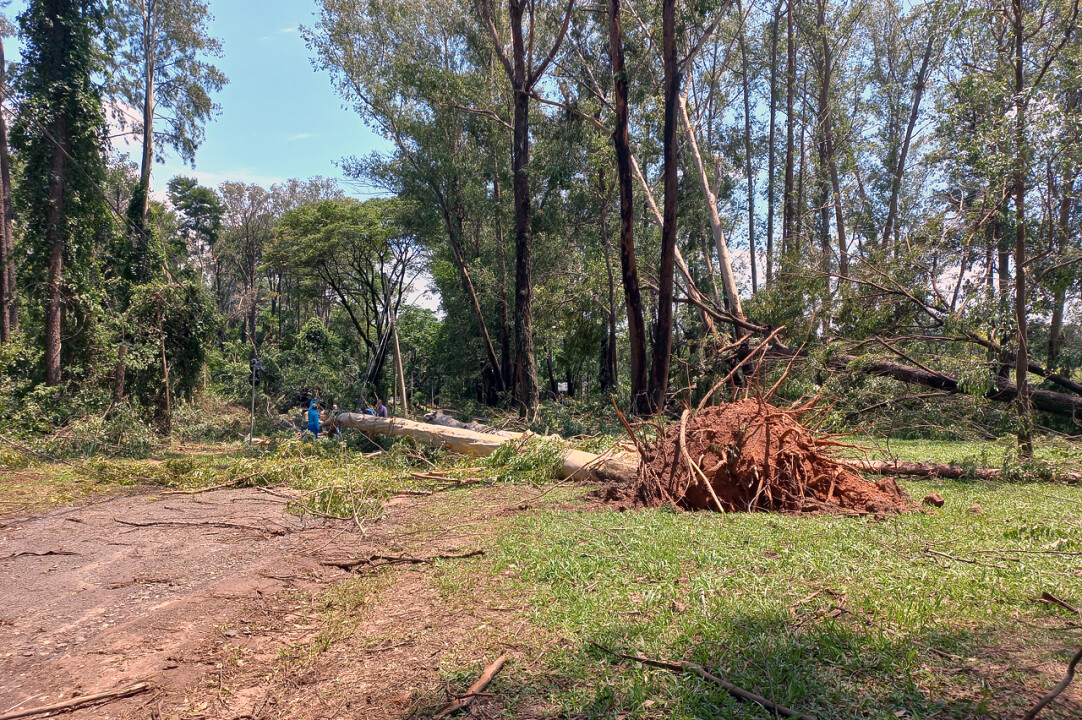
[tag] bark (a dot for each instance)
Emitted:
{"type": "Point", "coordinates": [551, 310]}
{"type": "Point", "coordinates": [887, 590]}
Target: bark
{"type": "Point", "coordinates": [629, 273]}
{"type": "Point", "coordinates": [663, 326]}
{"type": "Point", "coordinates": [936, 470]}
{"type": "Point", "coordinates": [119, 374]}
{"type": "Point", "coordinates": [148, 111]}
{"type": "Point", "coordinates": [747, 154]}
{"type": "Point", "coordinates": [771, 149]}
{"type": "Point", "coordinates": [607, 373]}
{"type": "Point", "coordinates": [789, 217]}
{"type": "Point", "coordinates": [1025, 413]}
{"type": "Point", "coordinates": [899, 168]}
{"type": "Point", "coordinates": [55, 237]}
{"type": "Point", "coordinates": [576, 464]}
{"type": "Point", "coordinates": [725, 263]}
{"type": "Point", "coordinates": [8, 317]}
{"type": "Point", "coordinates": [399, 371]}
{"type": "Point", "coordinates": [501, 301]}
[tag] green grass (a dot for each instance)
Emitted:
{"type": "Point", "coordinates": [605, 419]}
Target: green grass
{"type": "Point", "coordinates": [756, 599]}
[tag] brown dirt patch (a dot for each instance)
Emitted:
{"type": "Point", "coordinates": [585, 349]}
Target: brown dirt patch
{"type": "Point", "coordinates": [757, 457]}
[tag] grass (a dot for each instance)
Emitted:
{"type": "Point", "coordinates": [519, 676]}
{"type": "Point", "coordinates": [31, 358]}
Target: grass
{"type": "Point", "coordinates": [836, 617]}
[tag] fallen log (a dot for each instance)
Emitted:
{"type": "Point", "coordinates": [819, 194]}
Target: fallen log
{"type": "Point", "coordinates": [1003, 391]}
{"type": "Point", "coordinates": [441, 418]}
{"type": "Point", "coordinates": [577, 465]}
{"type": "Point", "coordinates": [78, 702]}
{"type": "Point", "coordinates": [936, 470]}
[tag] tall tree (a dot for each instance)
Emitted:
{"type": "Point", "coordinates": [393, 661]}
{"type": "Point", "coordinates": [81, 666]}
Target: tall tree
{"type": "Point", "coordinates": [629, 272]}
{"type": "Point", "coordinates": [523, 76]}
{"type": "Point", "coordinates": [8, 307]}
{"type": "Point", "coordinates": [161, 67]}
{"type": "Point", "coordinates": [59, 135]}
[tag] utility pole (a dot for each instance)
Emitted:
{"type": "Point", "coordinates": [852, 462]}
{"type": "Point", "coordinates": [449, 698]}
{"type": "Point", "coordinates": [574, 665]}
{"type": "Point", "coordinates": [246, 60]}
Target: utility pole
{"type": "Point", "coordinates": [399, 372]}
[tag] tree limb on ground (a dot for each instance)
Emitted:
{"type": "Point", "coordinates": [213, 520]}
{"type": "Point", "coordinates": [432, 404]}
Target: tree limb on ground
{"type": "Point", "coordinates": [737, 692]}
{"type": "Point", "coordinates": [1054, 692]}
{"type": "Point", "coordinates": [181, 523]}
{"type": "Point", "coordinates": [936, 470]}
{"type": "Point", "coordinates": [476, 689]}
{"type": "Point", "coordinates": [381, 560]}
{"type": "Point", "coordinates": [78, 701]}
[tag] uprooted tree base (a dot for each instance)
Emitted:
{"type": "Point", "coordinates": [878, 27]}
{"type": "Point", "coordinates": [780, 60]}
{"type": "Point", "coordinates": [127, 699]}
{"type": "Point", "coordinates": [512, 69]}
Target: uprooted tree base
{"type": "Point", "coordinates": [757, 457]}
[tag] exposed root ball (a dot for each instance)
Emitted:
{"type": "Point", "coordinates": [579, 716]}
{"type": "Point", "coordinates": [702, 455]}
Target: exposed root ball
{"type": "Point", "coordinates": [756, 457]}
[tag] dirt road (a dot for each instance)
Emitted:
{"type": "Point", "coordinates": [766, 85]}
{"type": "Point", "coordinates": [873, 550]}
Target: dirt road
{"type": "Point", "coordinates": [210, 598]}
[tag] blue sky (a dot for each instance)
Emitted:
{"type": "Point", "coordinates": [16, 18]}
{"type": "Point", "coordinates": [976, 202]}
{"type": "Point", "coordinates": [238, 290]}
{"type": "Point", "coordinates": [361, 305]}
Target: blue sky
{"type": "Point", "coordinates": [279, 118]}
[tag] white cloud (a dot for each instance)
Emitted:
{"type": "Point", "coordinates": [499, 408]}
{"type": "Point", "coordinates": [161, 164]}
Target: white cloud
{"type": "Point", "coordinates": [301, 136]}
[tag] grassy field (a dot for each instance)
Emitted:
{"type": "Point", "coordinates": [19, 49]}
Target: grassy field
{"type": "Point", "coordinates": [924, 615]}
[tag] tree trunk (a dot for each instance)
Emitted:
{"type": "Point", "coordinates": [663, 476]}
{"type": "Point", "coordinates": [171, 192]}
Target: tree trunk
{"type": "Point", "coordinates": [771, 149]}
{"type": "Point", "coordinates": [501, 301]}
{"type": "Point", "coordinates": [607, 372]}
{"type": "Point", "coordinates": [399, 371]}
{"type": "Point", "coordinates": [525, 361]}
{"type": "Point", "coordinates": [166, 409]}
{"type": "Point", "coordinates": [659, 375]}
{"type": "Point", "coordinates": [57, 240]}
{"type": "Point", "coordinates": [120, 373]}
{"type": "Point", "coordinates": [899, 169]}
{"type": "Point", "coordinates": [629, 272]}
{"type": "Point", "coordinates": [452, 220]}
{"type": "Point", "coordinates": [148, 112]}
{"type": "Point", "coordinates": [789, 217]}
{"type": "Point", "coordinates": [8, 317]}
{"type": "Point", "coordinates": [1025, 411]}
{"type": "Point", "coordinates": [725, 263]}
{"type": "Point", "coordinates": [747, 153]}
{"type": "Point", "coordinates": [575, 465]}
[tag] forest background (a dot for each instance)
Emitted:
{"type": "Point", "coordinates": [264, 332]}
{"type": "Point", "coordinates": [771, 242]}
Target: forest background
{"type": "Point", "coordinates": [624, 198]}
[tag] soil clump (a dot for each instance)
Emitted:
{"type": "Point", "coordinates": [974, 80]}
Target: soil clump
{"type": "Point", "coordinates": [748, 456]}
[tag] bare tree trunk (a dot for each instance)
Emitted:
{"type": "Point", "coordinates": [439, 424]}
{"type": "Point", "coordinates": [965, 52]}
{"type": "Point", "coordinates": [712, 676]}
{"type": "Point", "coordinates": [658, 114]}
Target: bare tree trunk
{"type": "Point", "coordinates": [607, 375]}
{"type": "Point", "coordinates": [628, 266]}
{"type": "Point", "coordinates": [771, 149]}
{"type": "Point", "coordinates": [8, 316]}
{"type": "Point", "coordinates": [55, 235]}
{"type": "Point", "coordinates": [501, 301]}
{"type": "Point", "coordinates": [120, 373]}
{"type": "Point", "coordinates": [789, 219]}
{"type": "Point", "coordinates": [1025, 408]}
{"type": "Point", "coordinates": [725, 263]}
{"type": "Point", "coordinates": [747, 153]}
{"type": "Point", "coordinates": [148, 110]}
{"type": "Point", "coordinates": [826, 120]}
{"type": "Point", "coordinates": [400, 375]}
{"type": "Point", "coordinates": [899, 169]}
{"type": "Point", "coordinates": [167, 414]}
{"type": "Point", "coordinates": [659, 376]}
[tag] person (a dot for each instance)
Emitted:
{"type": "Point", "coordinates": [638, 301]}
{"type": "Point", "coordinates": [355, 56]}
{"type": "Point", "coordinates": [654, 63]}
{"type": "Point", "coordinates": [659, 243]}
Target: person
{"type": "Point", "coordinates": [313, 418]}
{"type": "Point", "coordinates": [368, 410]}
{"type": "Point", "coordinates": [381, 409]}
{"type": "Point", "coordinates": [332, 421]}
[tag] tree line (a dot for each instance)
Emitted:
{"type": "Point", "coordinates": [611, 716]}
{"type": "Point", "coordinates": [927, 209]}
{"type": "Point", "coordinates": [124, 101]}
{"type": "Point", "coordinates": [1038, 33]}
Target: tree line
{"type": "Point", "coordinates": [604, 194]}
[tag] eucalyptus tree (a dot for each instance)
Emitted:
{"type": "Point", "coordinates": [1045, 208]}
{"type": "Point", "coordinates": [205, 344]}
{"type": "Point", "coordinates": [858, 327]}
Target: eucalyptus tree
{"type": "Point", "coordinates": [247, 227]}
{"type": "Point", "coordinates": [524, 77]}
{"type": "Point", "coordinates": [417, 74]}
{"type": "Point", "coordinates": [8, 307]}
{"type": "Point", "coordinates": [161, 70]}
{"type": "Point", "coordinates": [59, 135]}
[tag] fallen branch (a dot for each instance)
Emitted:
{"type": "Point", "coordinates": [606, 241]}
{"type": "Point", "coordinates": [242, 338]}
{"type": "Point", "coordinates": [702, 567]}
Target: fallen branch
{"type": "Point", "coordinates": [79, 701]}
{"type": "Point", "coordinates": [970, 561]}
{"type": "Point", "coordinates": [38, 554]}
{"type": "Point", "coordinates": [737, 692]}
{"type": "Point", "coordinates": [476, 689]}
{"type": "Point", "coordinates": [181, 523]}
{"type": "Point", "coordinates": [936, 470]}
{"type": "Point", "coordinates": [371, 560]}
{"type": "Point", "coordinates": [1047, 597]}
{"type": "Point", "coordinates": [231, 483]}
{"type": "Point", "coordinates": [36, 454]}
{"type": "Point", "coordinates": [1051, 695]}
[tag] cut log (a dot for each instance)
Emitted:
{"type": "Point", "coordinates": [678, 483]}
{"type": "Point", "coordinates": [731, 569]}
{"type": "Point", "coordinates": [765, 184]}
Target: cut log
{"type": "Point", "coordinates": [577, 465]}
{"type": "Point", "coordinates": [935, 470]}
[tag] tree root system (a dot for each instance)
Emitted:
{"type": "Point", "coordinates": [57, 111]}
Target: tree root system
{"type": "Point", "coordinates": [748, 456]}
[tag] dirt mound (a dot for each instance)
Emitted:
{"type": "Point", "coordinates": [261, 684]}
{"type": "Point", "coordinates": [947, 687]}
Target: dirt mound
{"type": "Point", "coordinates": [757, 457]}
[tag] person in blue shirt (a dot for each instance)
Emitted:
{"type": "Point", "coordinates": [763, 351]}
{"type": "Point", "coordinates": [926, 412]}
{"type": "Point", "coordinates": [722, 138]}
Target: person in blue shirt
{"type": "Point", "coordinates": [313, 418]}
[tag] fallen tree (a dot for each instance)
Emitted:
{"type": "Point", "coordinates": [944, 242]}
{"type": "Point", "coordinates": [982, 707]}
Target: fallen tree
{"type": "Point", "coordinates": [936, 470]}
{"type": "Point", "coordinates": [577, 465]}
